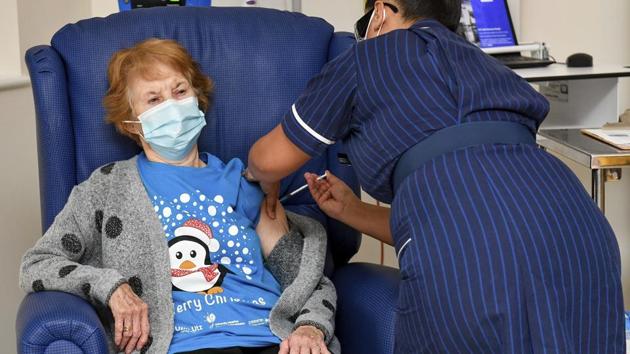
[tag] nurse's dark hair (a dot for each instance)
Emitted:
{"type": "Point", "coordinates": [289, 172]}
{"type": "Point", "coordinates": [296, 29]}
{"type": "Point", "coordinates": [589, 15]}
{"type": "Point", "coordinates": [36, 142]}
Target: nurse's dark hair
{"type": "Point", "coordinates": [447, 12]}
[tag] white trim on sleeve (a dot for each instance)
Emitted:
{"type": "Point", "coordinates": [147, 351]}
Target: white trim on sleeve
{"type": "Point", "coordinates": [402, 248]}
{"type": "Point", "coordinates": [310, 130]}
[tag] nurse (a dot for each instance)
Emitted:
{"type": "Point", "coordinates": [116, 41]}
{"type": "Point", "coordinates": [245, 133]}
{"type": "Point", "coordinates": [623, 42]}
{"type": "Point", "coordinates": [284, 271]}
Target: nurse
{"type": "Point", "coordinates": [500, 248]}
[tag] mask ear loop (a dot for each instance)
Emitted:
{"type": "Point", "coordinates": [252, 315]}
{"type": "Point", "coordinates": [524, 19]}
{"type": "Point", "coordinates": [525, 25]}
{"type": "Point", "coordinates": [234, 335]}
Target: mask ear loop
{"type": "Point", "coordinates": [368, 26]}
{"type": "Point", "coordinates": [382, 23]}
{"type": "Point", "coordinates": [138, 131]}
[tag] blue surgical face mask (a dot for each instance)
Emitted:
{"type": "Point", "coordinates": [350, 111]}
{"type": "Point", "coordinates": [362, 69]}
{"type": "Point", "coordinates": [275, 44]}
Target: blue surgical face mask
{"type": "Point", "coordinates": [172, 127]}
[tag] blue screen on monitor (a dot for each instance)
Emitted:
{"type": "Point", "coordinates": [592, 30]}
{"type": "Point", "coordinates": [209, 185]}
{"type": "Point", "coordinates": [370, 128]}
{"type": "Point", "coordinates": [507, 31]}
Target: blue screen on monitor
{"type": "Point", "coordinates": [487, 23]}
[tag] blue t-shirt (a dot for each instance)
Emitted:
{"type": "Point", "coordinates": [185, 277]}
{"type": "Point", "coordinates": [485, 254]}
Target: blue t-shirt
{"type": "Point", "coordinates": [222, 293]}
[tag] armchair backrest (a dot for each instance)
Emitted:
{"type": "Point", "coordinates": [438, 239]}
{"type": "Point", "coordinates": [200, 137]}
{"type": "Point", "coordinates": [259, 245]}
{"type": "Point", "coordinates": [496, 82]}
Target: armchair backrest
{"type": "Point", "coordinates": [259, 60]}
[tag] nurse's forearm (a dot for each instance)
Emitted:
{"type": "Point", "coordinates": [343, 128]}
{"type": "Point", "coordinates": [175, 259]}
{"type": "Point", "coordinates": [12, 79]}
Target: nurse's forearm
{"type": "Point", "coordinates": [274, 157]}
{"type": "Point", "coordinates": [370, 219]}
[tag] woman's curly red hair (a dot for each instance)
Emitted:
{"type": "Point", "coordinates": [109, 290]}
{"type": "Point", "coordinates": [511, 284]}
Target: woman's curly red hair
{"type": "Point", "coordinates": [140, 60]}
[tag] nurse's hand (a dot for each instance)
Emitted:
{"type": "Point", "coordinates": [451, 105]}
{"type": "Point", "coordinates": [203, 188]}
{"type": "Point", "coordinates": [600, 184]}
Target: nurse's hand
{"type": "Point", "coordinates": [304, 340]}
{"type": "Point", "coordinates": [271, 190]}
{"type": "Point", "coordinates": [272, 193]}
{"type": "Point", "coordinates": [332, 195]}
{"type": "Point", "coordinates": [338, 201]}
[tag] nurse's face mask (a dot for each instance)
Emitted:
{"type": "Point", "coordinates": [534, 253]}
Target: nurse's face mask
{"type": "Point", "coordinates": [362, 26]}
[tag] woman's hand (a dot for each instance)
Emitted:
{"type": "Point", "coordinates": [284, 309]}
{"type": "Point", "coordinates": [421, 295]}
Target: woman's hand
{"type": "Point", "coordinates": [131, 319]}
{"type": "Point", "coordinates": [332, 195]}
{"type": "Point", "coordinates": [304, 340]}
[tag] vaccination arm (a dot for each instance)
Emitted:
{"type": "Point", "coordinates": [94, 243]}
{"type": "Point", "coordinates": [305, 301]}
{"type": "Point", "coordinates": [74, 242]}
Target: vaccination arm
{"type": "Point", "coordinates": [338, 201]}
{"type": "Point", "coordinates": [272, 158]}
{"type": "Point", "coordinates": [269, 230]}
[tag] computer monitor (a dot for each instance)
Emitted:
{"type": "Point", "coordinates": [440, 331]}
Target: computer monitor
{"type": "Point", "coordinates": [126, 5]}
{"type": "Point", "coordinates": [487, 23]}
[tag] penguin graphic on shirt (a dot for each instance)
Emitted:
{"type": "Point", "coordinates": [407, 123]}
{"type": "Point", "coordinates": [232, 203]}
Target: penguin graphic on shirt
{"type": "Point", "coordinates": [191, 268]}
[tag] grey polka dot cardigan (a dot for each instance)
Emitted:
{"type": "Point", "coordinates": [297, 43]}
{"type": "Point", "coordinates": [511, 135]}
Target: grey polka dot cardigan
{"type": "Point", "coordinates": [108, 234]}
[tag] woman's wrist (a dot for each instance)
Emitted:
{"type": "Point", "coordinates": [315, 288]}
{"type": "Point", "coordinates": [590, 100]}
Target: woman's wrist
{"type": "Point", "coordinates": [312, 330]}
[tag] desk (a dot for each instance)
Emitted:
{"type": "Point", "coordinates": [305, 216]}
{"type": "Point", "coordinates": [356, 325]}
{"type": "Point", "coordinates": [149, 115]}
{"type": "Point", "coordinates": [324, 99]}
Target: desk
{"type": "Point", "coordinates": [556, 72]}
{"type": "Point", "coordinates": [593, 94]}
{"type": "Point", "coordinates": [599, 157]}
{"type": "Point", "coordinates": [592, 101]}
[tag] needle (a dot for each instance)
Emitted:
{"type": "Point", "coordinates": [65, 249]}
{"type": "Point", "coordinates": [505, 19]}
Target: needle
{"type": "Point", "coordinates": [288, 196]}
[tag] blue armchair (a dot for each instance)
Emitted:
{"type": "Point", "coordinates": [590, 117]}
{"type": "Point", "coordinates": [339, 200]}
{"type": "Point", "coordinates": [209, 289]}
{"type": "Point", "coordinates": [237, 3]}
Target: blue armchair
{"type": "Point", "coordinates": [260, 60]}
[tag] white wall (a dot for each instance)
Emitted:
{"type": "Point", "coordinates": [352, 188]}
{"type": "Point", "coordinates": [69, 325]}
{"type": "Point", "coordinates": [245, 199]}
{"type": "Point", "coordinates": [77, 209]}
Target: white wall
{"type": "Point", "coordinates": [601, 29]}
{"type": "Point", "coordinates": [341, 14]}
{"type": "Point", "coordinates": [19, 201]}
{"type": "Point", "coordinates": [40, 19]}
{"type": "Point", "coordinates": [102, 8]}
{"type": "Point", "coordinates": [10, 58]}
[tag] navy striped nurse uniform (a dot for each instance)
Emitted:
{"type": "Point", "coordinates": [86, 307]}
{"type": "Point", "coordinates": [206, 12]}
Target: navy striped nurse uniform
{"type": "Point", "coordinates": [501, 250]}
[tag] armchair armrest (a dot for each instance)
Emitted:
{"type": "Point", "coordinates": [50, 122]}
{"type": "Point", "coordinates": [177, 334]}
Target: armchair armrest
{"type": "Point", "coordinates": [52, 321]}
{"type": "Point", "coordinates": [55, 133]}
{"type": "Point", "coordinates": [366, 306]}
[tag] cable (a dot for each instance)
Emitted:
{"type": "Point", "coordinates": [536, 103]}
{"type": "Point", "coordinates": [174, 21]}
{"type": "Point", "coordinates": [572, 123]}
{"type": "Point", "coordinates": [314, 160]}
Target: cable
{"type": "Point", "coordinates": [382, 243]}
{"type": "Point", "coordinates": [555, 61]}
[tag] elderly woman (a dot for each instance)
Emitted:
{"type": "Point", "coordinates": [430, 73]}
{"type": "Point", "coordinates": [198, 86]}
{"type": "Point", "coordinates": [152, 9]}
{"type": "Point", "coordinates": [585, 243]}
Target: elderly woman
{"type": "Point", "coordinates": [172, 241]}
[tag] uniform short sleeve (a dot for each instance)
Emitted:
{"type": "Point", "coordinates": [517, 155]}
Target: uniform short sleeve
{"type": "Point", "coordinates": [321, 115]}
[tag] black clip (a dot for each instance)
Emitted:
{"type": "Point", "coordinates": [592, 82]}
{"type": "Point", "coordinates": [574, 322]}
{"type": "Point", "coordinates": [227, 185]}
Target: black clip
{"type": "Point", "coordinates": [343, 159]}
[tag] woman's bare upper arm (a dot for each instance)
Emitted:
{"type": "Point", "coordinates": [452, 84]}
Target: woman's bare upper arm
{"type": "Point", "coordinates": [270, 231]}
